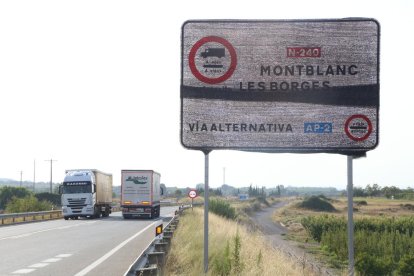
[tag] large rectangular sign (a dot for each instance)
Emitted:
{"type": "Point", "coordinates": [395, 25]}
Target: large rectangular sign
{"type": "Point", "coordinates": [280, 86]}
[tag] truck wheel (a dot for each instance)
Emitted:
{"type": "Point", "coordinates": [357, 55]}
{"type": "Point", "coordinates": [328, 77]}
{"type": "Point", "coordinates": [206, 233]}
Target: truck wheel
{"type": "Point", "coordinates": [66, 218]}
{"type": "Point", "coordinates": [106, 212]}
{"type": "Point", "coordinates": [97, 212]}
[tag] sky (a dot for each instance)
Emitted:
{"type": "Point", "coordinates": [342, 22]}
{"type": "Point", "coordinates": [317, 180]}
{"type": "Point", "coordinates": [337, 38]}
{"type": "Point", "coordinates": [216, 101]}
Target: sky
{"type": "Point", "coordinates": [96, 84]}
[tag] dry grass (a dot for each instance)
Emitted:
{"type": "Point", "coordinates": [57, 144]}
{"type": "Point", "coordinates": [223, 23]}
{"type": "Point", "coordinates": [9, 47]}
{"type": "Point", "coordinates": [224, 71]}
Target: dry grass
{"type": "Point", "coordinates": [186, 255]}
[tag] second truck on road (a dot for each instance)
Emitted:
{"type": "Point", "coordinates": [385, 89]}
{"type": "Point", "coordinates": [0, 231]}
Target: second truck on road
{"type": "Point", "coordinates": [140, 193]}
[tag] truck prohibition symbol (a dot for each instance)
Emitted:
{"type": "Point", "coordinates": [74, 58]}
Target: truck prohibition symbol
{"type": "Point", "coordinates": [213, 52]}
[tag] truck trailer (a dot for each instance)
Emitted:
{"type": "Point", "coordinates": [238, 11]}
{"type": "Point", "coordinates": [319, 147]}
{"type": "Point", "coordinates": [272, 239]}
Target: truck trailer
{"type": "Point", "coordinates": [140, 193]}
{"type": "Point", "coordinates": [86, 193]}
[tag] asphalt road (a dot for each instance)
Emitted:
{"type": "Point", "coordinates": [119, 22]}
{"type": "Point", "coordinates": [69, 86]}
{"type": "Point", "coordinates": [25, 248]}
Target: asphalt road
{"type": "Point", "coordinates": [105, 246]}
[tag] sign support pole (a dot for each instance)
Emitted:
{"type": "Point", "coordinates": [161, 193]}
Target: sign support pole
{"type": "Point", "coordinates": [206, 166]}
{"type": "Point", "coordinates": [350, 217]}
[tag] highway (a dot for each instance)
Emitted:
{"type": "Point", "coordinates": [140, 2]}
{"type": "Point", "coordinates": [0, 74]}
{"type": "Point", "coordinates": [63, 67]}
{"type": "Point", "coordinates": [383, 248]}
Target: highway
{"type": "Point", "coordinates": [105, 246]}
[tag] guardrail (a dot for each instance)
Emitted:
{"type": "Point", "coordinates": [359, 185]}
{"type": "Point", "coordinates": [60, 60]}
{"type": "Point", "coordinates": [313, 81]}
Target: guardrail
{"type": "Point", "coordinates": [152, 259]}
{"type": "Point", "coordinates": [30, 216]}
{"type": "Point", "coordinates": [8, 219]}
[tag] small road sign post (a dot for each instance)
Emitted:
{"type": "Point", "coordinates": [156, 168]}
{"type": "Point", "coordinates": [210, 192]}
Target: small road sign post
{"type": "Point", "coordinates": [192, 194]}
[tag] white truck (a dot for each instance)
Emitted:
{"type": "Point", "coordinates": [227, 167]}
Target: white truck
{"type": "Point", "coordinates": [86, 193]}
{"type": "Point", "coordinates": [140, 193]}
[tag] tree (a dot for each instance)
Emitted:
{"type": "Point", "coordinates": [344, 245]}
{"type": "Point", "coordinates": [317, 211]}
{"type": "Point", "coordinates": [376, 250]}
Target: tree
{"type": "Point", "coordinates": [359, 192]}
{"type": "Point", "coordinates": [178, 193]}
{"type": "Point", "coordinates": [7, 193]}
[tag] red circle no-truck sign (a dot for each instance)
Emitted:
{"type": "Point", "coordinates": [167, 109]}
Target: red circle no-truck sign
{"type": "Point", "coordinates": [358, 127]}
{"type": "Point", "coordinates": [208, 60]}
{"type": "Point", "coordinates": [192, 194]}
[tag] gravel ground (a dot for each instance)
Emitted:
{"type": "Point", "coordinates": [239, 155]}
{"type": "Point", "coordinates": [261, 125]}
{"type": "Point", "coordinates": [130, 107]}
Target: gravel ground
{"type": "Point", "coordinates": [275, 232]}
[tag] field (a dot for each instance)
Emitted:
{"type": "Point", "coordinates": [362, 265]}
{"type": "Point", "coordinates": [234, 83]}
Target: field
{"type": "Point", "coordinates": [384, 242]}
{"type": "Point", "coordinates": [233, 249]}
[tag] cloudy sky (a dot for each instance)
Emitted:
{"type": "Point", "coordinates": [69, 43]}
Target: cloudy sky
{"type": "Point", "coordinates": [96, 84]}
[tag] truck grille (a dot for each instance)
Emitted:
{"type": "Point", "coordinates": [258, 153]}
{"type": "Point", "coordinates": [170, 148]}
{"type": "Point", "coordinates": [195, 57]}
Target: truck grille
{"type": "Point", "coordinates": [76, 204]}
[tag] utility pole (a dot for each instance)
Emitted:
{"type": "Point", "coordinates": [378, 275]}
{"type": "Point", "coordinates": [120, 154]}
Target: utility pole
{"type": "Point", "coordinates": [34, 175]}
{"type": "Point", "coordinates": [51, 172]}
{"type": "Point", "coordinates": [21, 178]}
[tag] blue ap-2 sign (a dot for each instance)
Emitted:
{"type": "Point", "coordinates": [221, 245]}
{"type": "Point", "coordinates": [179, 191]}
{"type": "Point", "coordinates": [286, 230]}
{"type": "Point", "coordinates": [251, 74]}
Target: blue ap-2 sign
{"type": "Point", "coordinates": [280, 86]}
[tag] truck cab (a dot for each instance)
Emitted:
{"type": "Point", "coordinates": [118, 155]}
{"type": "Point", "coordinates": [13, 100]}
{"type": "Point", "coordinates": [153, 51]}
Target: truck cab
{"type": "Point", "coordinates": [79, 195]}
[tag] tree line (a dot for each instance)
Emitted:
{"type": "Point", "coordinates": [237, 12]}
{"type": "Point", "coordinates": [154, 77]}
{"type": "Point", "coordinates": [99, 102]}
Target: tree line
{"type": "Point", "coordinates": [388, 191]}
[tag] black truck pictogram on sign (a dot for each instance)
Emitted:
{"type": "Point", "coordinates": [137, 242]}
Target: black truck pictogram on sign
{"type": "Point", "coordinates": [213, 52]}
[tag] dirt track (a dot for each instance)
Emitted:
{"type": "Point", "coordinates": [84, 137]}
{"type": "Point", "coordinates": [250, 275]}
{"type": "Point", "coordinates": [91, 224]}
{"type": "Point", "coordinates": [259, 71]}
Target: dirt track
{"type": "Point", "coordinates": [275, 232]}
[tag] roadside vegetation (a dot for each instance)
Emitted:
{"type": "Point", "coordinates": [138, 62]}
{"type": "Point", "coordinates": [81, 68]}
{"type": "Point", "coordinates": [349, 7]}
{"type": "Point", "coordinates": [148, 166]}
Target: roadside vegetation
{"type": "Point", "coordinates": [18, 200]}
{"type": "Point", "coordinates": [384, 229]}
{"type": "Point", "coordinates": [233, 248]}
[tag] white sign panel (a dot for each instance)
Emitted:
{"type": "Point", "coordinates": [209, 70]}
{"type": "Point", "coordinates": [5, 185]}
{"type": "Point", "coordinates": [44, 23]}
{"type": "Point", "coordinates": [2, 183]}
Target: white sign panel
{"type": "Point", "coordinates": [280, 86]}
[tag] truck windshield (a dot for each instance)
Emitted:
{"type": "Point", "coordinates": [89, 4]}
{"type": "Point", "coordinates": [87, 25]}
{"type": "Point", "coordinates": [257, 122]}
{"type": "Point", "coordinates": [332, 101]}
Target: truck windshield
{"type": "Point", "coordinates": [77, 187]}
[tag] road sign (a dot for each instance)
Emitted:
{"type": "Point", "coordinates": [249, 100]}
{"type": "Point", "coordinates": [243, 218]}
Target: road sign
{"type": "Point", "coordinates": [192, 194]}
{"type": "Point", "coordinates": [280, 86]}
{"type": "Point", "coordinates": [159, 232]}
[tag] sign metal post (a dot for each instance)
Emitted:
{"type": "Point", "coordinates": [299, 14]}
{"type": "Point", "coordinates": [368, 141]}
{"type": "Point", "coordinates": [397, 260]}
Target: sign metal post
{"type": "Point", "coordinates": [350, 216]}
{"type": "Point", "coordinates": [206, 167]}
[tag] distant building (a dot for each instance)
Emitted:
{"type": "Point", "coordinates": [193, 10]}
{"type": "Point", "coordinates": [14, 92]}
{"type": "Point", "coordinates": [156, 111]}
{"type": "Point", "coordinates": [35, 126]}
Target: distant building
{"type": "Point", "coordinates": [243, 197]}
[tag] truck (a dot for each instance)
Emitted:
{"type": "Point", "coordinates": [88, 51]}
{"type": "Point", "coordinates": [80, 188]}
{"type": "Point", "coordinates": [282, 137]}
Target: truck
{"type": "Point", "coordinates": [86, 193]}
{"type": "Point", "coordinates": [213, 52]}
{"type": "Point", "coordinates": [140, 193]}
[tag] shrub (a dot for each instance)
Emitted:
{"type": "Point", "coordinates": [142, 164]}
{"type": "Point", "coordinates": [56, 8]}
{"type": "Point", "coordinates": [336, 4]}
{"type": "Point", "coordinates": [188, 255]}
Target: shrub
{"type": "Point", "coordinates": [316, 203]}
{"type": "Point", "coordinates": [222, 208]}
{"type": "Point", "coordinates": [361, 202]}
{"type": "Point", "coordinates": [406, 266]}
{"type": "Point", "coordinates": [27, 204]}
{"type": "Point", "coordinates": [7, 193]}
{"type": "Point", "coordinates": [52, 198]}
{"type": "Point", "coordinates": [369, 265]}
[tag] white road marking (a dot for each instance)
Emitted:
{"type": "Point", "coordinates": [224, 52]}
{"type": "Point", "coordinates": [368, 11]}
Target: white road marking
{"type": "Point", "coordinates": [113, 251]}
{"type": "Point", "coordinates": [63, 255]}
{"type": "Point", "coordinates": [52, 260]}
{"type": "Point", "coordinates": [46, 230]}
{"type": "Point", "coordinates": [39, 265]}
{"type": "Point", "coordinates": [24, 271]}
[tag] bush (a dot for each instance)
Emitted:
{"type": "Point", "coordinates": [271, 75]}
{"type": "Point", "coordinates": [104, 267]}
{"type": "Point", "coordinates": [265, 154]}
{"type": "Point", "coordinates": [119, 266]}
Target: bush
{"type": "Point", "coordinates": [7, 193]}
{"type": "Point", "coordinates": [52, 198]}
{"type": "Point", "coordinates": [317, 203]}
{"type": "Point", "coordinates": [369, 265]}
{"type": "Point", "coordinates": [361, 202]}
{"type": "Point", "coordinates": [27, 204]}
{"type": "Point", "coordinates": [406, 266]}
{"type": "Point", "coordinates": [389, 241]}
{"type": "Point", "coordinates": [222, 208]}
